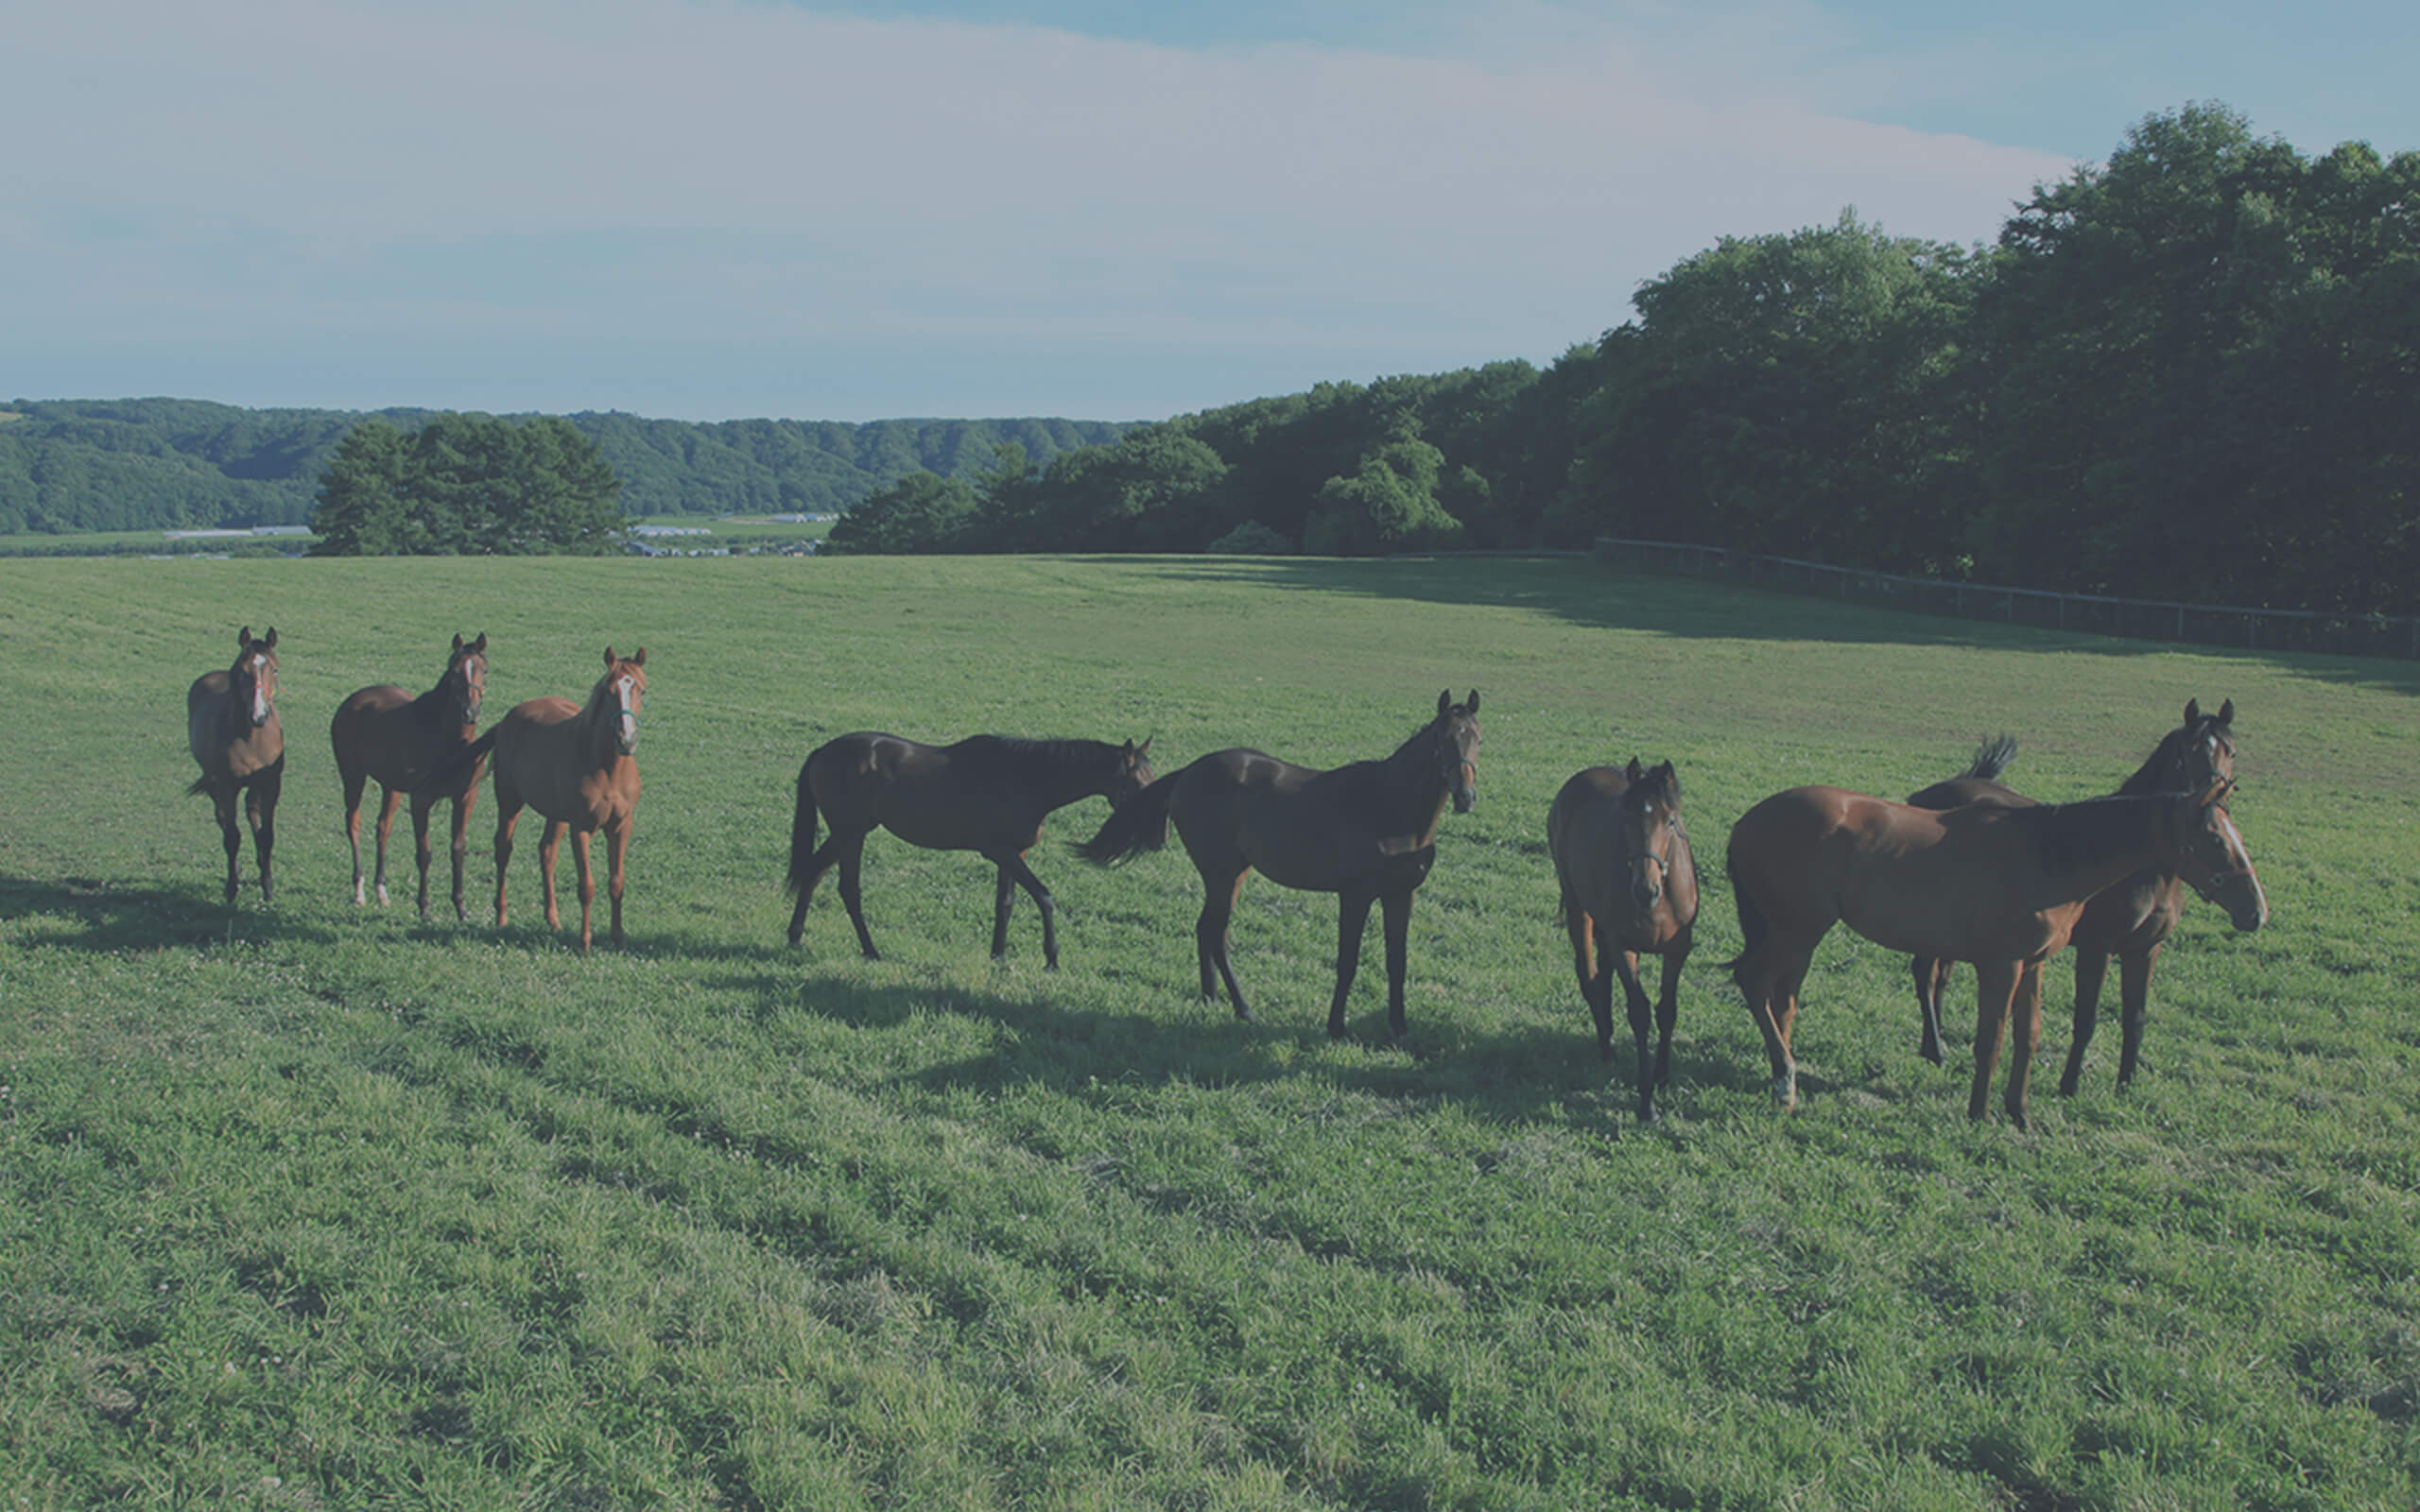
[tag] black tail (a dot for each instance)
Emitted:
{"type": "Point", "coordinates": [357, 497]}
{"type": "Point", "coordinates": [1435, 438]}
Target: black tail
{"type": "Point", "coordinates": [1141, 823]}
{"type": "Point", "coordinates": [442, 776]}
{"type": "Point", "coordinates": [1753, 925]}
{"type": "Point", "coordinates": [201, 785]}
{"type": "Point", "coordinates": [1992, 758]}
{"type": "Point", "coordinates": [802, 833]}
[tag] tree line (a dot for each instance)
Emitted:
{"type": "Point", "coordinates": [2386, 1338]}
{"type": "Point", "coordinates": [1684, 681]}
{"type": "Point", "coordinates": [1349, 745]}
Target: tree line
{"type": "Point", "coordinates": [2192, 372]}
{"type": "Point", "coordinates": [154, 464]}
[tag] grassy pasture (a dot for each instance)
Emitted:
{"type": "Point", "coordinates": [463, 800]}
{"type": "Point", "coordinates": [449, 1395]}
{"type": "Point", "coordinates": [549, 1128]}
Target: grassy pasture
{"type": "Point", "coordinates": [315, 1206]}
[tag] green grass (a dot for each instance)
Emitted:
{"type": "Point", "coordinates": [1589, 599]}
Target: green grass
{"type": "Point", "coordinates": [314, 1206]}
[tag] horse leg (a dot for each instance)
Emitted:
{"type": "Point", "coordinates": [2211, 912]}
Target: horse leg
{"type": "Point", "coordinates": [617, 850]}
{"type": "Point", "coordinates": [423, 853]}
{"type": "Point", "coordinates": [1396, 910]}
{"type": "Point", "coordinates": [1770, 984]}
{"type": "Point", "coordinates": [1210, 939]}
{"type": "Point", "coordinates": [1014, 869]}
{"type": "Point", "coordinates": [2025, 1034]}
{"type": "Point", "coordinates": [222, 803]}
{"type": "Point", "coordinates": [1995, 987]}
{"type": "Point", "coordinates": [587, 881]}
{"type": "Point", "coordinates": [853, 859]}
{"type": "Point", "coordinates": [462, 805]}
{"type": "Point", "coordinates": [507, 813]}
{"type": "Point", "coordinates": [1594, 989]}
{"type": "Point", "coordinates": [1668, 1002]}
{"type": "Point", "coordinates": [353, 783]}
{"type": "Point", "coordinates": [1625, 963]}
{"type": "Point", "coordinates": [2092, 969]}
{"type": "Point", "coordinates": [2134, 996]}
{"type": "Point", "coordinates": [260, 809]}
{"type": "Point", "coordinates": [550, 841]}
{"type": "Point", "coordinates": [1352, 919]}
{"type": "Point", "coordinates": [388, 799]}
{"type": "Point", "coordinates": [1932, 985]}
{"type": "Point", "coordinates": [820, 863]}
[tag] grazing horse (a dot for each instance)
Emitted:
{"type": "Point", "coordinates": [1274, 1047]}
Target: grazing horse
{"type": "Point", "coordinates": [385, 733]}
{"type": "Point", "coordinates": [1366, 831]}
{"type": "Point", "coordinates": [1999, 886]}
{"type": "Point", "coordinates": [231, 727]}
{"type": "Point", "coordinates": [577, 765]}
{"type": "Point", "coordinates": [2131, 920]}
{"type": "Point", "coordinates": [1629, 888]}
{"type": "Point", "coordinates": [988, 794]}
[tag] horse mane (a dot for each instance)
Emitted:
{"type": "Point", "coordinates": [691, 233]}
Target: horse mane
{"type": "Point", "coordinates": [2156, 773]}
{"type": "Point", "coordinates": [2069, 838]}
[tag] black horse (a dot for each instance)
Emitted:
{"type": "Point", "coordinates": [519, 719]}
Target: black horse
{"type": "Point", "coordinates": [988, 794]}
{"type": "Point", "coordinates": [1366, 831]}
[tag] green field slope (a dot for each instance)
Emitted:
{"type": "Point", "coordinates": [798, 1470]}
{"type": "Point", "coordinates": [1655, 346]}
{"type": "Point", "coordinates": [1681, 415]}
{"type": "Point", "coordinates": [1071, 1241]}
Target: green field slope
{"type": "Point", "coordinates": [314, 1206]}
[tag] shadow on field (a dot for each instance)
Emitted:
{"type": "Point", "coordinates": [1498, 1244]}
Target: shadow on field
{"type": "Point", "coordinates": [1088, 1051]}
{"type": "Point", "coordinates": [1596, 594]}
{"type": "Point", "coordinates": [99, 914]}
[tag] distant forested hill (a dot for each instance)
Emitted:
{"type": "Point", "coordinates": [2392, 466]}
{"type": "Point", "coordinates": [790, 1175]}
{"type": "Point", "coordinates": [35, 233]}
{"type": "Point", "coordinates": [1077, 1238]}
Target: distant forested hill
{"type": "Point", "coordinates": [140, 464]}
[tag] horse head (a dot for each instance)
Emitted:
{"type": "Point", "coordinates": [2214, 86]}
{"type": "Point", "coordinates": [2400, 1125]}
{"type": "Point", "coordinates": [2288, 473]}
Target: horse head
{"type": "Point", "coordinates": [1651, 830]}
{"type": "Point", "coordinates": [466, 678]}
{"type": "Point", "coordinates": [1457, 744]}
{"type": "Point", "coordinates": [1133, 773]}
{"type": "Point", "coordinates": [2210, 854]}
{"type": "Point", "coordinates": [2203, 749]}
{"type": "Point", "coordinates": [253, 678]}
{"type": "Point", "coordinates": [625, 684]}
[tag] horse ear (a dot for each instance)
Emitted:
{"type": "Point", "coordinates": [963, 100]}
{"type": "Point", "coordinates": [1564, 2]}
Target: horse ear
{"type": "Point", "coordinates": [2226, 712]}
{"type": "Point", "coordinates": [1472, 707]}
{"type": "Point", "coordinates": [1134, 752]}
{"type": "Point", "coordinates": [638, 657]}
{"type": "Point", "coordinates": [268, 641]}
{"type": "Point", "coordinates": [2192, 710]}
{"type": "Point", "coordinates": [610, 657]}
{"type": "Point", "coordinates": [243, 638]}
{"type": "Point", "coordinates": [1445, 703]}
{"type": "Point", "coordinates": [480, 645]}
{"type": "Point", "coordinates": [1637, 774]}
{"type": "Point", "coordinates": [457, 640]}
{"type": "Point", "coordinates": [1672, 779]}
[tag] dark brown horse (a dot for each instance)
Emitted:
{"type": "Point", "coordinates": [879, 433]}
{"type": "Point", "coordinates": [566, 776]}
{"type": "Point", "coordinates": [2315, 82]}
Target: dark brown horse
{"type": "Point", "coordinates": [577, 765]}
{"type": "Point", "coordinates": [1999, 886]}
{"type": "Point", "coordinates": [231, 727]}
{"type": "Point", "coordinates": [1629, 888]}
{"type": "Point", "coordinates": [988, 794]}
{"type": "Point", "coordinates": [2131, 920]}
{"type": "Point", "coordinates": [1366, 831]}
{"type": "Point", "coordinates": [384, 732]}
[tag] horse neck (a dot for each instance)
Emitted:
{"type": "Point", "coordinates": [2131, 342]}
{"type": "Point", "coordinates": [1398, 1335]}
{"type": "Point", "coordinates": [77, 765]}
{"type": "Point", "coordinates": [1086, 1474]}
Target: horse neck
{"type": "Point", "coordinates": [430, 709]}
{"type": "Point", "coordinates": [595, 723]}
{"type": "Point", "coordinates": [1059, 772]}
{"type": "Point", "coordinates": [2156, 773]}
{"type": "Point", "coordinates": [2095, 844]}
{"type": "Point", "coordinates": [1414, 788]}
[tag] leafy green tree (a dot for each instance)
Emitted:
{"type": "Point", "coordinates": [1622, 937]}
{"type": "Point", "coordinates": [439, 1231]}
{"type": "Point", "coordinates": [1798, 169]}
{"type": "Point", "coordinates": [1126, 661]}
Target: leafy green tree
{"type": "Point", "coordinates": [923, 512]}
{"type": "Point", "coordinates": [1387, 504]}
{"type": "Point", "coordinates": [361, 509]}
{"type": "Point", "coordinates": [468, 484]}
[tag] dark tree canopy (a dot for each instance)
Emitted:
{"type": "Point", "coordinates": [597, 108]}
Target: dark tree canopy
{"type": "Point", "coordinates": [468, 485]}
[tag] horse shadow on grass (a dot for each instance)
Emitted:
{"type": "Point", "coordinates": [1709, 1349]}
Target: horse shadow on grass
{"type": "Point", "coordinates": [111, 915]}
{"type": "Point", "coordinates": [1537, 1072]}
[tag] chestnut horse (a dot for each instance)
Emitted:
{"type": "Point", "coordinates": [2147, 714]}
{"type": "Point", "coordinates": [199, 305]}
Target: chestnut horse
{"type": "Point", "coordinates": [384, 732]}
{"type": "Point", "coordinates": [577, 765]}
{"type": "Point", "coordinates": [1999, 886]}
{"type": "Point", "coordinates": [2131, 920]}
{"type": "Point", "coordinates": [1366, 831]}
{"type": "Point", "coordinates": [988, 794]}
{"type": "Point", "coordinates": [1629, 888]}
{"type": "Point", "coordinates": [232, 728]}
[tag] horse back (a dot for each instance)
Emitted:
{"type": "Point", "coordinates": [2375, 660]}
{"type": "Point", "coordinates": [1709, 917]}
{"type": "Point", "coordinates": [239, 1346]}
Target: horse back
{"type": "Point", "coordinates": [543, 758]}
{"type": "Point", "coordinates": [1957, 792]}
{"type": "Point", "coordinates": [1320, 831]}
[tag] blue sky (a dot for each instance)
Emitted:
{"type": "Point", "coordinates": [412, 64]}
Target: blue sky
{"type": "Point", "coordinates": [719, 209]}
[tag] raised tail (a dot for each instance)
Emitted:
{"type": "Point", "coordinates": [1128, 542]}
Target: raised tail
{"type": "Point", "coordinates": [441, 777]}
{"type": "Point", "coordinates": [802, 834]}
{"type": "Point", "coordinates": [1992, 758]}
{"type": "Point", "coordinates": [1141, 823]}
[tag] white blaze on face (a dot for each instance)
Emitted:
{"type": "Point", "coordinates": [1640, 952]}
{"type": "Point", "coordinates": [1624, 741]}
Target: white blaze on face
{"type": "Point", "coordinates": [624, 688]}
{"type": "Point", "coordinates": [260, 689]}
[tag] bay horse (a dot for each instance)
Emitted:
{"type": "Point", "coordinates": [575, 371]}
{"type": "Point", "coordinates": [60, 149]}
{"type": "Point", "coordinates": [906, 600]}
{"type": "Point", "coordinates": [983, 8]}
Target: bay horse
{"type": "Point", "coordinates": [401, 741]}
{"type": "Point", "coordinates": [1629, 888]}
{"type": "Point", "coordinates": [988, 794]}
{"type": "Point", "coordinates": [577, 765]}
{"type": "Point", "coordinates": [1999, 886]}
{"type": "Point", "coordinates": [2131, 920]}
{"type": "Point", "coordinates": [1366, 831]}
{"type": "Point", "coordinates": [232, 731]}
